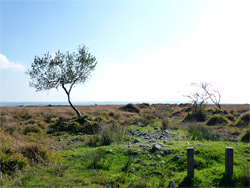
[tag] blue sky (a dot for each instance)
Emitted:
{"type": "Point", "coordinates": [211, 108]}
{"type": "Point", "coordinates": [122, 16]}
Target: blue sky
{"type": "Point", "coordinates": [146, 50]}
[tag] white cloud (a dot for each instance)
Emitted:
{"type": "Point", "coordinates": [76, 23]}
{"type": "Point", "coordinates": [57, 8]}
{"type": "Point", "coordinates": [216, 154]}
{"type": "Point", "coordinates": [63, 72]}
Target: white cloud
{"type": "Point", "coordinates": [8, 65]}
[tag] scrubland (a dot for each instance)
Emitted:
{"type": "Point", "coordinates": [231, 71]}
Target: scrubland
{"type": "Point", "coordinates": [138, 145]}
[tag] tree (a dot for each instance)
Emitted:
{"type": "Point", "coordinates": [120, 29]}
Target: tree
{"type": "Point", "coordinates": [214, 94]}
{"type": "Point", "coordinates": [198, 95]}
{"type": "Point", "coordinates": [62, 70]}
{"type": "Point", "coordinates": [203, 91]}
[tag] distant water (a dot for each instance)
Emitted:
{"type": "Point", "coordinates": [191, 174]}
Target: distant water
{"type": "Point", "coordinates": [16, 104]}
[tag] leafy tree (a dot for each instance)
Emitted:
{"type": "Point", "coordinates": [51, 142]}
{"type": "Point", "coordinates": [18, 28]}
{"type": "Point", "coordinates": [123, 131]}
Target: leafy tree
{"type": "Point", "coordinates": [62, 70]}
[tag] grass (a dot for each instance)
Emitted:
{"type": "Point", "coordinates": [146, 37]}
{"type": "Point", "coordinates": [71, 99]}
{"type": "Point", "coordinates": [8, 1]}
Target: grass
{"type": "Point", "coordinates": [69, 158]}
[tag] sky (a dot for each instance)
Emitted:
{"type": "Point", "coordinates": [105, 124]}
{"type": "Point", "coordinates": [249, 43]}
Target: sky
{"type": "Point", "coordinates": [147, 50]}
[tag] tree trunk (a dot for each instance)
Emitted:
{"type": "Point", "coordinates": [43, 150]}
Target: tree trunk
{"type": "Point", "coordinates": [72, 106]}
{"type": "Point", "coordinates": [76, 110]}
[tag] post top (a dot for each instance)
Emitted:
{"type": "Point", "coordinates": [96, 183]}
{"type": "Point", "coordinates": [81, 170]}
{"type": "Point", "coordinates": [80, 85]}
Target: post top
{"type": "Point", "coordinates": [190, 148]}
{"type": "Point", "coordinates": [229, 147]}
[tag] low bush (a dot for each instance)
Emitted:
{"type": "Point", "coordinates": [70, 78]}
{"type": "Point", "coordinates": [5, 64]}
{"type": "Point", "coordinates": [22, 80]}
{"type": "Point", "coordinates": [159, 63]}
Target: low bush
{"type": "Point", "coordinates": [244, 120]}
{"type": "Point", "coordinates": [107, 135]}
{"type": "Point", "coordinates": [87, 124]}
{"type": "Point", "coordinates": [202, 133]}
{"type": "Point", "coordinates": [10, 161]}
{"type": "Point", "coordinates": [217, 119]}
{"type": "Point", "coordinates": [231, 117]}
{"type": "Point", "coordinates": [165, 123]}
{"type": "Point", "coordinates": [246, 137]}
{"type": "Point", "coordinates": [24, 116]}
{"type": "Point", "coordinates": [130, 108]}
{"type": "Point", "coordinates": [36, 153]}
{"type": "Point", "coordinates": [32, 129]}
{"type": "Point", "coordinates": [195, 116]}
{"type": "Point", "coordinates": [144, 120]}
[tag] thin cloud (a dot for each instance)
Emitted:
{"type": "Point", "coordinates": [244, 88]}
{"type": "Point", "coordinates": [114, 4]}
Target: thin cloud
{"type": "Point", "coordinates": [5, 64]}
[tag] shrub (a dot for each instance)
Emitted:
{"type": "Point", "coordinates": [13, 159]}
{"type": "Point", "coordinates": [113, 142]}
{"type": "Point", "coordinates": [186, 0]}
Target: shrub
{"type": "Point", "coordinates": [36, 153]}
{"type": "Point", "coordinates": [106, 135]}
{"type": "Point", "coordinates": [130, 108]}
{"type": "Point", "coordinates": [144, 105]}
{"type": "Point", "coordinates": [244, 120]}
{"type": "Point", "coordinates": [25, 116]}
{"type": "Point", "coordinates": [32, 129]}
{"type": "Point", "coordinates": [246, 137]}
{"type": "Point", "coordinates": [10, 161]}
{"type": "Point", "coordinates": [217, 119]}
{"type": "Point", "coordinates": [195, 116]}
{"type": "Point", "coordinates": [87, 124]}
{"type": "Point", "coordinates": [231, 117]}
{"type": "Point", "coordinates": [144, 120]}
{"type": "Point", "coordinates": [201, 132]}
{"type": "Point", "coordinates": [165, 123]}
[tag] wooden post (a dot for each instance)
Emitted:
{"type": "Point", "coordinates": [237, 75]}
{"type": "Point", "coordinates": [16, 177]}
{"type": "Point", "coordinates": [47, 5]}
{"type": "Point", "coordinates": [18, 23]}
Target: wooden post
{"type": "Point", "coordinates": [171, 184]}
{"type": "Point", "coordinates": [228, 161]}
{"type": "Point", "coordinates": [190, 162]}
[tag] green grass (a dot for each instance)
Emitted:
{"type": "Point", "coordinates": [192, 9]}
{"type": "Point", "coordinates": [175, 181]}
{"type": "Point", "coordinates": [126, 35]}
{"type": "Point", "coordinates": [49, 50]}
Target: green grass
{"type": "Point", "coordinates": [119, 167]}
{"type": "Point", "coordinates": [76, 159]}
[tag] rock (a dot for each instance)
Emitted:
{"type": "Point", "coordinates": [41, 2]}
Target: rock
{"type": "Point", "coordinates": [59, 139]}
{"type": "Point", "coordinates": [146, 137]}
{"type": "Point", "coordinates": [155, 147]}
{"type": "Point", "coordinates": [168, 151]}
{"type": "Point", "coordinates": [149, 155]}
{"type": "Point", "coordinates": [136, 141]}
{"type": "Point", "coordinates": [176, 158]}
{"type": "Point", "coordinates": [155, 128]}
{"type": "Point", "coordinates": [188, 143]}
{"type": "Point", "coordinates": [162, 153]}
{"type": "Point", "coordinates": [132, 170]}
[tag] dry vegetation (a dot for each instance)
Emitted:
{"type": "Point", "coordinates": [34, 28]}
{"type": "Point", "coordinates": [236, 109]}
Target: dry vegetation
{"type": "Point", "coordinates": [33, 135]}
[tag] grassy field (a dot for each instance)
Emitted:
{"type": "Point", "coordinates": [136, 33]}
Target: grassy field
{"type": "Point", "coordinates": [123, 146]}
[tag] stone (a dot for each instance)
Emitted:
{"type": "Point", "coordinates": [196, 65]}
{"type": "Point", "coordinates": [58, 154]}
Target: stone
{"type": "Point", "coordinates": [176, 158]}
{"type": "Point", "coordinates": [149, 155]}
{"type": "Point", "coordinates": [136, 141]}
{"type": "Point", "coordinates": [162, 153]}
{"type": "Point", "coordinates": [155, 147]}
{"type": "Point", "coordinates": [132, 170]}
{"type": "Point", "coordinates": [169, 151]}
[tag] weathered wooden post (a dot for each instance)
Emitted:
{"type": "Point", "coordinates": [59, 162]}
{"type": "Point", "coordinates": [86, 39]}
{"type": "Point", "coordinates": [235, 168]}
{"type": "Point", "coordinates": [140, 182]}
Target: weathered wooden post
{"type": "Point", "coordinates": [228, 161]}
{"type": "Point", "coordinates": [190, 162]}
{"type": "Point", "coordinates": [171, 184]}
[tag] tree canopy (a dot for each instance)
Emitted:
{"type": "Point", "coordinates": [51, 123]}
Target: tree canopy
{"type": "Point", "coordinates": [62, 70]}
